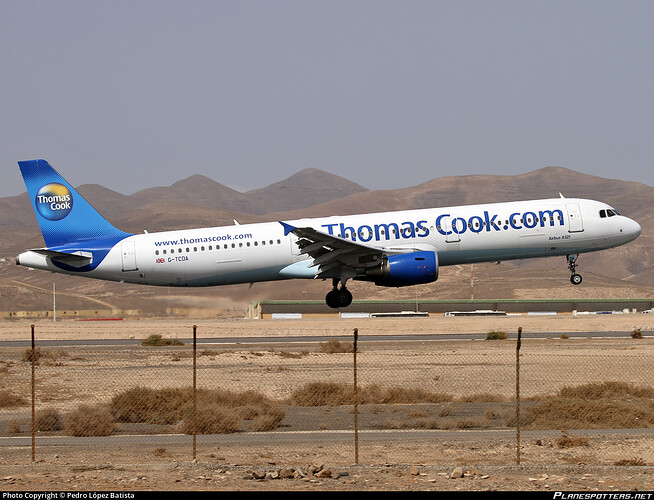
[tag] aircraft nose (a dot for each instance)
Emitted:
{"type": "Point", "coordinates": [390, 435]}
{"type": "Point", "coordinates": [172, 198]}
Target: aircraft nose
{"type": "Point", "coordinates": [632, 229]}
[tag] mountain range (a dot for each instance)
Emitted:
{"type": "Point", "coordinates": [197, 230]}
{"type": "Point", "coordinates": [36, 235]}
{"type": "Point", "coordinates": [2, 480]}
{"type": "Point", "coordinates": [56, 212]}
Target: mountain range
{"type": "Point", "coordinates": [198, 201]}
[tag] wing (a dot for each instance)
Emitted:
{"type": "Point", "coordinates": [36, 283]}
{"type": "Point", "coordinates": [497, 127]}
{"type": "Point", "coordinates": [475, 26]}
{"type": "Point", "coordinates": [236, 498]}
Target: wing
{"type": "Point", "coordinates": [338, 257]}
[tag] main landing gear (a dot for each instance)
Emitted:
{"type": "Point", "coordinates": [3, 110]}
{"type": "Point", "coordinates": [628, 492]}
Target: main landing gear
{"type": "Point", "coordinates": [338, 297]}
{"type": "Point", "coordinates": [575, 279]}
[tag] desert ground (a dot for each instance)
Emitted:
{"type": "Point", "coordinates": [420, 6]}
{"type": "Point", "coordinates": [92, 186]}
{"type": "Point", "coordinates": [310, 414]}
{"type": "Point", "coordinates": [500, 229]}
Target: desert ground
{"type": "Point", "coordinates": [463, 464]}
{"type": "Point", "coordinates": [135, 328]}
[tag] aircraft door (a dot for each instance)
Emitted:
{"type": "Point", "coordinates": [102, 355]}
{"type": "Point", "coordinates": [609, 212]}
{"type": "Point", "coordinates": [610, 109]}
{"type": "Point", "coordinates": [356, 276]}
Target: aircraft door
{"type": "Point", "coordinates": [452, 234]}
{"type": "Point", "coordinates": [575, 222]}
{"type": "Point", "coordinates": [295, 249]}
{"type": "Point", "coordinates": [128, 249]}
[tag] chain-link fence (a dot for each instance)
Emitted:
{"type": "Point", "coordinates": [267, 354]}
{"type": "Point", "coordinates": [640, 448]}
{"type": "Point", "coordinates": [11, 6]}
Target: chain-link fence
{"type": "Point", "coordinates": [554, 401]}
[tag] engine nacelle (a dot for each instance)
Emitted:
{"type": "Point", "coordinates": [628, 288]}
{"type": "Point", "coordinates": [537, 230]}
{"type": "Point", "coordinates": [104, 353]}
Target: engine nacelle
{"type": "Point", "coordinates": [405, 269]}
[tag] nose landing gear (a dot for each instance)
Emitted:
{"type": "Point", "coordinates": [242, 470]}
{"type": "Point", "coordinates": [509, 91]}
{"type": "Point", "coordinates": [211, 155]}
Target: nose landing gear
{"type": "Point", "coordinates": [338, 297]}
{"type": "Point", "coordinates": [575, 279]}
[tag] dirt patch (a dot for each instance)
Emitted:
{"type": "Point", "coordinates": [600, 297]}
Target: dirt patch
{"type": "Point", "coordinates": [216, 477]}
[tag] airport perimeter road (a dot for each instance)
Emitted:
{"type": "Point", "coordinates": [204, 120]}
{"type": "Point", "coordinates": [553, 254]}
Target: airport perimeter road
{"type": "Point", "coordinates": [304, 339]}
{"type": "Point", "coordinates": [281, 438]}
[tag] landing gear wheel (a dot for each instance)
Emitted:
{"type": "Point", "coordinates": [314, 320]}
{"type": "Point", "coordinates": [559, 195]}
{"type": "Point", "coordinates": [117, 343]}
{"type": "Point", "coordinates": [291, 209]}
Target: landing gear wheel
{"type": "Point", "coordinates": [338, 297]}
{"type": "Point", "coordinates": [343, 297]}
{"type": "Point", "coordinates": [575, 279]}
{"type": "Point", "coordinates": [331, 299]}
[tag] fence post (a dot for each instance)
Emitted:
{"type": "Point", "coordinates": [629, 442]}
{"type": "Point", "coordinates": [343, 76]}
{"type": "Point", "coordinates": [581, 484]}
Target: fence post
{"type": "Point", "coordinates": [517, 394]}
{"type": "Point", "coordinates": [356, 405]}
{"type": "Point", "coordinates": [33, 430]}
{"type": "Point", "coordinates": [195, 396]}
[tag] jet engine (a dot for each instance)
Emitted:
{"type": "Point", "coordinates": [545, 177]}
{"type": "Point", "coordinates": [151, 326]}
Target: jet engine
{"type": "Point", "coordinates": [405, 269]}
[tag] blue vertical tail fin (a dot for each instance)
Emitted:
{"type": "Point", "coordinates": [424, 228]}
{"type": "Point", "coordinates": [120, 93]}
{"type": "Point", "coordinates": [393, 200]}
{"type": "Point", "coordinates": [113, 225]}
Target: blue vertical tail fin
{"type": "Point", "coordinates": [64, 216]}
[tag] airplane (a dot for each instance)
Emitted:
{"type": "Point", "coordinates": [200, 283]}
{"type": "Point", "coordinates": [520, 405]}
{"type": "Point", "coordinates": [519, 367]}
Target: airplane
{"type": "Point", "coordinates": [390, 249]}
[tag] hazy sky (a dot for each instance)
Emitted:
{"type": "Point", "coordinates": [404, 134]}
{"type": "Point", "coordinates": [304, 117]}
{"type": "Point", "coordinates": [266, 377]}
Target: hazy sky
{"type": "Point", "coordinates": [134, 94]}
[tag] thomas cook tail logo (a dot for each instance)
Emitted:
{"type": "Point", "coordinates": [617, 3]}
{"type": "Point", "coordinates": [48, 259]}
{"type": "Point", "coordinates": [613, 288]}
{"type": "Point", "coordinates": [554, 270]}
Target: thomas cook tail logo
{"type": "Point", "coordinates": [54, 201]}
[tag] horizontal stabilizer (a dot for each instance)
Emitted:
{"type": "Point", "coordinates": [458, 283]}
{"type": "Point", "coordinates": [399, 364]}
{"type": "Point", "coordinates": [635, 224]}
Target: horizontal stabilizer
{"type": "Point", "coordinates": [76, 259]}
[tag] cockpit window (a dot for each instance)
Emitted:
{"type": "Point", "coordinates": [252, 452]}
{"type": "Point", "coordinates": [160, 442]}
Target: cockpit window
{"type": "Point", "coordinates": [609, 212]}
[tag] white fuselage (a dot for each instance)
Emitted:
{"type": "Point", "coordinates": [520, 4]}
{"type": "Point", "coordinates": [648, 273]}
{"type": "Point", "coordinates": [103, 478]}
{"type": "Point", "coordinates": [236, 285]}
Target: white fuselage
{"type": "Point", "coordinates": [262, 252]}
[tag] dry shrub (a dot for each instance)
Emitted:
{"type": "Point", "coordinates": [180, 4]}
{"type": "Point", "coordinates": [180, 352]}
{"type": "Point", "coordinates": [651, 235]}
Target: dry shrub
{"type": "Point", "coordinates": [465, 423]}
{"type": "Point", "coordinates": [631, 461]}
{"type": "Point", "coordinates": [150, 406]}
{"type": "Point", "coordinates": [292, 355]}
{"type": "Point", "coordinates": [418, 423]}
{"type": "Point", "coordinates": [567, 441]}
{"type": "Point", "coordinates": [169, 406]}
{"type": "Point", "coordinates": [595, 390]}
{"type": "Point", "coordinates": [90, 421]}
{"type": "Point", "coordinates": [210, 353]}
{"type": "Point", "coordinates": [31, 355]}
{"type": "Point", "coordinates": [212, 420]}
{"type": "Point", "coordinates": [637, 334]}
{"type": "Point", "coordinates": [158, 340]}
{"type": "Point", "coordinates": [425, 423]}
{"type": "Point", "coordinates": [48, 420]}
{"type": "Point", "coordinates": [333, 394]}
{"type": "Point", "coordinates": [13, 427]}
{"type": "Point", "coordinates": [592, 406]}
{"type": "Point", "coordinates": [496, 335]}
{"type": "Point", "coordinates": [374, 394]}
{"type": "Point", "coordinates": [323, 394]}
{"type": "Point", "coordinates": [9, 400]}
{"type": "Point", "coordinates": [483, 397]}
{"type": "Point", "coordinates": [334, 346]}
{"type": "Point", "coordinates": [267, 421]}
